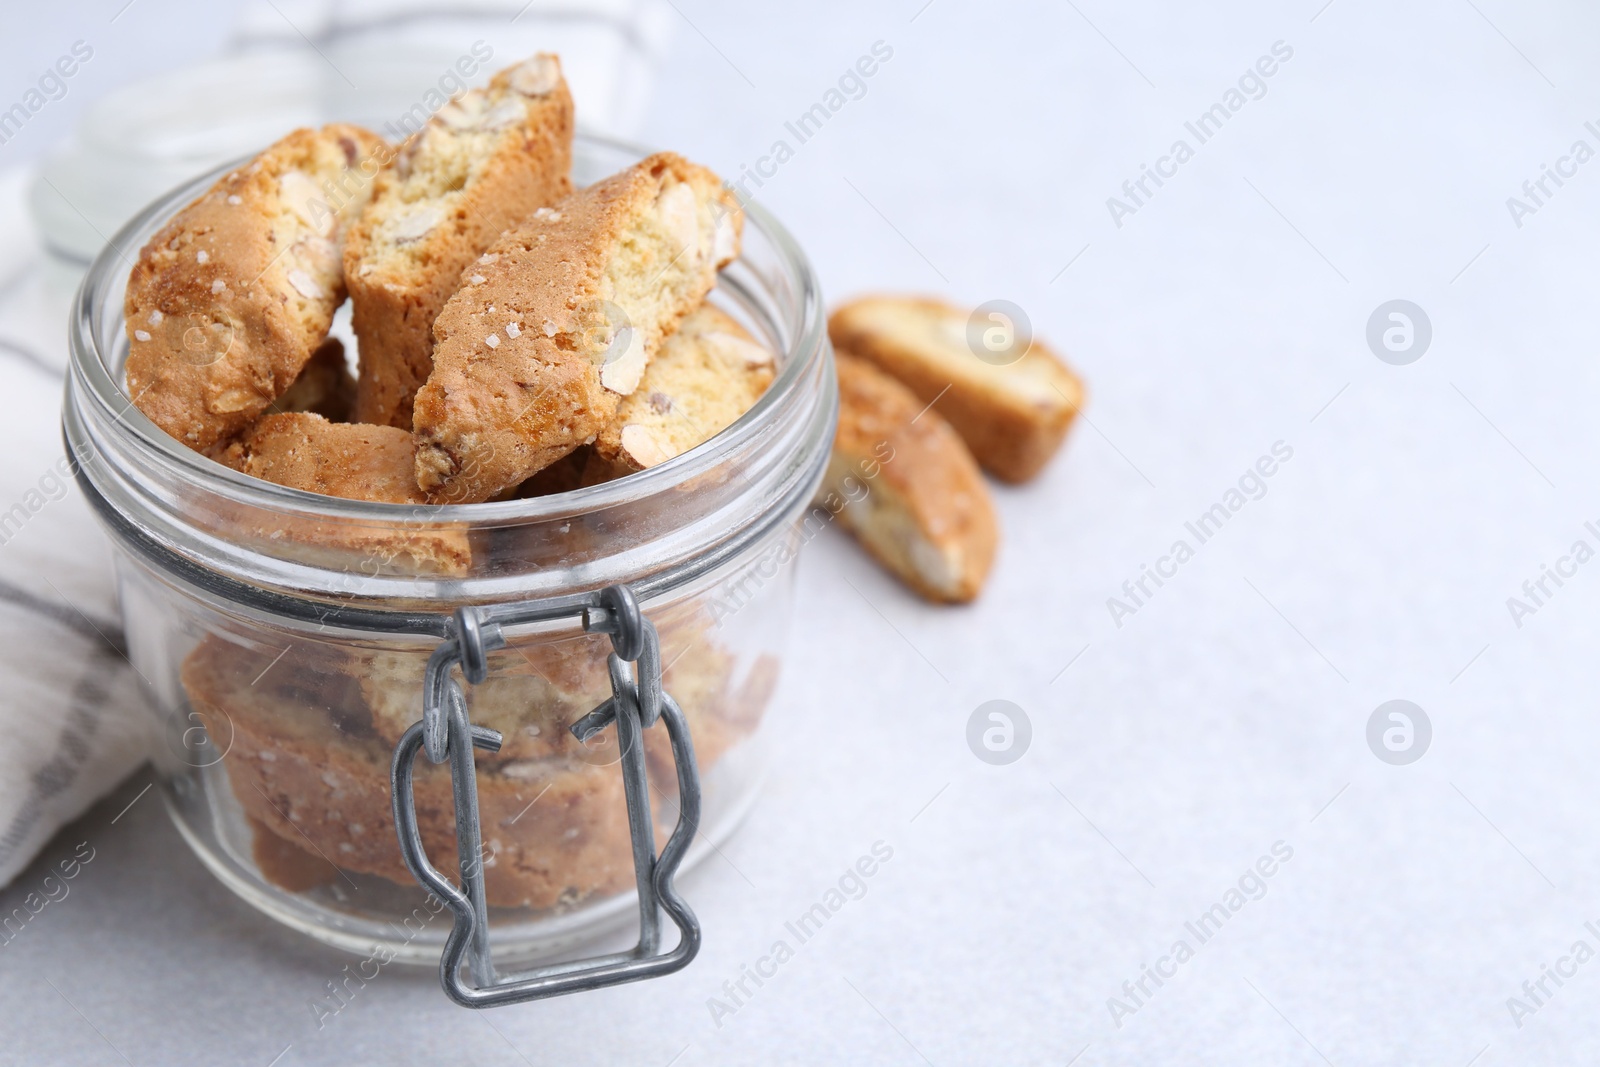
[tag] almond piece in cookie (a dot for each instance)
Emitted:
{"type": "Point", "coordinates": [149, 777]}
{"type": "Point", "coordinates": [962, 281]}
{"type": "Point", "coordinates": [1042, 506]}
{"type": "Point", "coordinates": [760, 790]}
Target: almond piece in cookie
{"type": "Point", "coordinates": [358, 462]}
{"type": "Point", "coordinates": [1012, 414]}
{"type": "Point", "coordinates": [707, 375]}
{"type": "Point", "coordinates": [904, 484]}
{"type": "Point", "coordinates": [230, 299]}
{"type": "Point", "coordinates": [556, 323]}
{"type": "Point", "coordinates": [482, 164]}
{"type": "Point", "coordinates": [325, 386]}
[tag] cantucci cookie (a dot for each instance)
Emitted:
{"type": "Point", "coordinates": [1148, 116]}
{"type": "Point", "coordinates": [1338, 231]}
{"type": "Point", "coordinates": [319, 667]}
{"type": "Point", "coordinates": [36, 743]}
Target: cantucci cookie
{"type": "Point", "coordinates": [904, 484]}
{"type": "Point", "coordinates": [303, 761]}
{"type": "Point", "coordinates": [309, 735]}
{"type": "Point", "coordinates": [556, 323]}
{"type": "Point", "coordinates": [707, 375]}
{"type": "Point", "coordinates": [532, 695]}
{"type": "Point", "coordinates": [349, 459]}
{"type": "Point", "coordinates": [229, 300]}
{"type": "Point", "coordinates": [1013, 415]}
{"type": "Point", "coordinates": [305, 451]}
{"type": "Point", "coordinates": [483, 163]}
{"type": "Point", "coordinates": [325, 386]}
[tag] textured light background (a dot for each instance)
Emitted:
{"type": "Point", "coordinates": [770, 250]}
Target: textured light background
{"type": "Point", "coordinates": [1228, 314]}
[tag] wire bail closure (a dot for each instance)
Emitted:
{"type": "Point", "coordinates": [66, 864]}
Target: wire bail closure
{"type": "Point", "coordinates": [446, 732]}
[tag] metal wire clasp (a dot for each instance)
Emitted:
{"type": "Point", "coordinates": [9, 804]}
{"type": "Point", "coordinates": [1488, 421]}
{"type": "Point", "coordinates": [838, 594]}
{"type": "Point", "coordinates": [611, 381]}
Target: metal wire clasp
{"type": "Point", "coordinates": [446, 732]}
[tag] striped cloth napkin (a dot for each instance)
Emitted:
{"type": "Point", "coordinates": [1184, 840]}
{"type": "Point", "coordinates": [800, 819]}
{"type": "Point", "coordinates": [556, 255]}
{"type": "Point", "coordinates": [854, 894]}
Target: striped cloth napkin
{"type": "Point", "coordinates": [73, 718]}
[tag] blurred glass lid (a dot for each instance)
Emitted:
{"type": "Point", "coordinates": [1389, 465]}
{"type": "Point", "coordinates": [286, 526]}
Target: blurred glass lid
{"type": "Point", "coordinates": [375, 62]}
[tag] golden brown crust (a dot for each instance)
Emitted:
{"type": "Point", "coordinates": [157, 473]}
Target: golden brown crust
{"type": "Point", "coordinates": [903, 482]}
{"type": "Point", "coordinates": [1013, 417]}
{"type": "Point", "coordinates": [482, 164]}
{"type": "Point", "coordinates": [358, 462]}
{"type": "Point", "coordinates": [557, 321]}
{"type": "Point", "coordinates": [349, 459]}
{"type": "Point", "coordinates": [707, 374]}
{"type": "Point", "coordinates": [229, 300]}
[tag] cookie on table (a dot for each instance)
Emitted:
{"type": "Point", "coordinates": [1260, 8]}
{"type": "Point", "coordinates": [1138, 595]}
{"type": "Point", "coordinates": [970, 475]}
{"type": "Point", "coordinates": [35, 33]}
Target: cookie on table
{"type": "Point", "coordinates": [325, 386]}
{"type": "Point", "coordinates": [305, 451]}
{"type": "Point", "coordinates": [1013, 416]}
{"type": "Point", "coordinates": [901, 480]}
{"type": "Point", "coordinates": [482, 164]}
{"type": "Point", "coordinates": [556, 323]}
{"type": "Point", "coordinates": [707, 374]}
{"type": "Point", "coordinates": [229, 300]}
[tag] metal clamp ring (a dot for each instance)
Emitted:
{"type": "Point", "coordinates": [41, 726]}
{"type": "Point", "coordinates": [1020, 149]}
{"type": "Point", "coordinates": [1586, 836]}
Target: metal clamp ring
{"type": "Point", "coordinates": [626, 621]}
{"type": "Point", "coordinates": [474, 641]}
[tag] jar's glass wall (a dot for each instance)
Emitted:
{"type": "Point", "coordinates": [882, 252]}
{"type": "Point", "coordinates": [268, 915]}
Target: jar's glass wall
{"type": "Point", "coordinates": [275, 744]}
{"type": "Point", "coordinates": [277, 727]}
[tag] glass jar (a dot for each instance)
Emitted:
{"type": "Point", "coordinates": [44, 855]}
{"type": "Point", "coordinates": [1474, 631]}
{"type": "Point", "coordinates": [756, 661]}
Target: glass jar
{"type": "Point", "coordinates": [283, 635]}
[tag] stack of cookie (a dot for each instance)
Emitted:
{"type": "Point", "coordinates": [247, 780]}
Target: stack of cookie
{"type": "Point", "coordinates": [506, 324]}
{"type": "Point", "coordinates": [308, 745]}
{"type": "Point", "coordinates": [515, 337]}
{"type": "Point", "coordinates": [921, 409]}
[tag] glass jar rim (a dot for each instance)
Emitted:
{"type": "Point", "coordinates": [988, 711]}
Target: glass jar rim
{"type": "Point", "coordinates": [91, 357]}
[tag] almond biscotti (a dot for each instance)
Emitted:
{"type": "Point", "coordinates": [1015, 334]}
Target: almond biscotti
{"type": "Point", "coordinates": [533, 694]}
{"type": "Point", "coordinates": [306, 451]}
{"type": "Point", "coordinates": [229, 300]}
{"type": "Point", "coordinates": [308, 737]}
{"type": "Point", "coordinates": [358, 462]}
{"type": "Point", "coordinates": [302, 761]}
{"type": "Point", "coordinates": [556, 323]}
{"type": "Point", "coordinates": [707, 374]}
{"type": "Point", "coordinates": [904, 484]}
{"type": "Point", "coordinates": [482, 164]}
{"type": "Point", "coordinates": [1013, 416]}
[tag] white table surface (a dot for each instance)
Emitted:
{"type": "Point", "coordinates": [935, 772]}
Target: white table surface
{"type": "Point", "coordinates": [1228, 714]}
